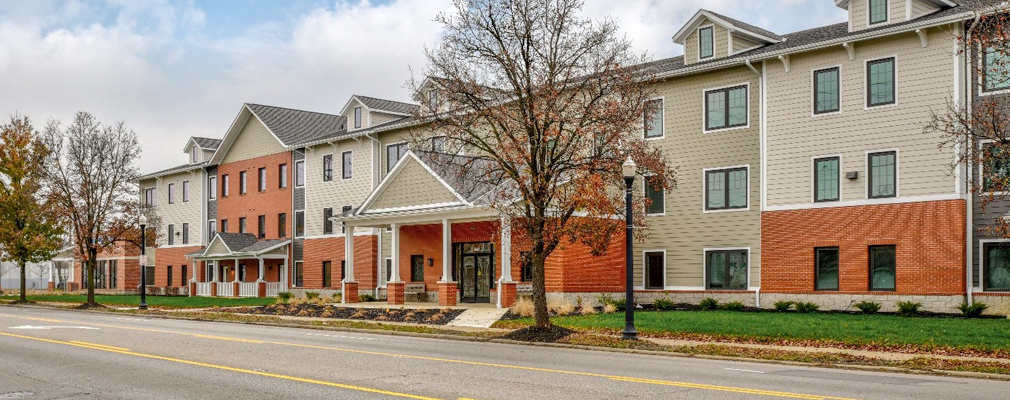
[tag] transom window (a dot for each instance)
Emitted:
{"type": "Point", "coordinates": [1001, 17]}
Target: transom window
{"type": "Point", "coordinates": [995, 69]}
{"type": "Point", "coordinates": [880, 82]}
{"type": "Point", "coordinates": [726, 269]}
{"type": "Point", "coordinates": [726, 108]}
{"type": "Point", "coordinates": [883, 174]}
{"type": "Point", "coordinates": [997, 267]}
{"type": "Point", "coordinates": [826, 268]}
{"type": "Point", "coordinates": [882, 268]}
{"type": "Point", "coordinates": [826, 179]}
{"type": "Point", "coordinates": [826, 92]}
{"type": "Point", "coordinates": [706, 47]}
{"type": "Point", "coordinates": [726, 189]}
{"type": "Point", "coordinates": [328, 168]}
{"type": "Point", "coordinates": [393, 154]}
{"type": "Point", "coordinates": [878, 11]}
{"type": "Point", "coordinates": [995, 167]}
{"type": "Point", "coordinates": [656, 196]}
{"type": "Point", "coordinates": [653, 119]}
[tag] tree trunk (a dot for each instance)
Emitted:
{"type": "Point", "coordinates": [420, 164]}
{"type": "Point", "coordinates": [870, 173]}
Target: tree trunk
{"type": "Point", "coordinates": [90, 267]}
{"type": "Point", "coordinates": [23, 298]}
{"type": "Point", "coordinates": [543, 319]}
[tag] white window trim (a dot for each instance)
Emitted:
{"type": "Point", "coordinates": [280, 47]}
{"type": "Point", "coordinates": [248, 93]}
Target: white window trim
{"type": "Point", "coordinates": [385, 281]}
{"type": "Point", "coordinates": [294, 225]}
{"type": "Point", "coordinates": [813, 178]}
{"type": "Point", "coordinates": [322, 213]}
{"type": "Point", "coordinates": [170, 235]}
{"type": "Point", "coordinates": [297, 266]}
{"type": "Point", "coordinates": [358, 116]}
{"type": "Point", "coordinates": [981, 77]}
{"type": "Point", "coordinates": [662, 119]}
{"type": "Point", "coordinates": [243, 182]}
{"type": "Point", "coordinates": [704, 108]}
{"type": "Point", "coordinates": [185, 191]}
{"type": "Point", "coordinates": [869, 11]}
{"type": "Point", "coordinates": [322, 167]}
{"type": "Point", "coordinates": [704, 191]}
{"type": "Point", "coordinates": [897, 173]}
{"type": "Point", "coordinates": [225, 184]}
{"type": "Point", "coordinates": [211, 232]}
{"type": "Point", "coordinates": [171, 193]}
{"type": "Point", "coordinates": [981, 265]}
{"type": "Point", "coordinates": [283, 176]}
{"type": "Point", "coordinates": [351, 153]}
{"type": "Point", "coordinates": [262, 181]}
{"type": "Point", "coordinates": [389, 168]}
{"type": "Point", "coordinates": [981, 171]}
{"type": "Point", "coordinates": [304, 172]}
{"type": "Point", "coordinates": [704, 267]}
{"type": "Point", "coordinates": [645, 183]}
{"type": "Point", "coordinates": [645, 268]}
{"type": "Point", "coordinates": [700, 58]}
{"type": "Point", "coordinates": [866, 82]}
{"type": "Point", "coordinates": [212, 188]}
{"type": "Point", "coordinates": [813, 93]}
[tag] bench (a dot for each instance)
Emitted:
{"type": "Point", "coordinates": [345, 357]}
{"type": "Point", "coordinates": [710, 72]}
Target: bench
{"type": "Point", "coordinates": [414, 293]}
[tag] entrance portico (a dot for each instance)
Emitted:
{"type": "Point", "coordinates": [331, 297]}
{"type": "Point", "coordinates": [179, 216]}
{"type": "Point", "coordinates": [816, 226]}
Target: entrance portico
{"type": "Point", "coordinates": [228, 266]}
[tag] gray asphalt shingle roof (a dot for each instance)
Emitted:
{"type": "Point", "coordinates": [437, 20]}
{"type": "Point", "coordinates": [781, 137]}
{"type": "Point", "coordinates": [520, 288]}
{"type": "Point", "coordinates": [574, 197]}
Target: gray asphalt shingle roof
{"type": "Point", "coordinates": [237, 241]}
{"type": "Point", "coordinates": [261, 245]}
{"type": "Point", "coordinates": [746, 26]}
{"type": "Point", "coordinates": [169, 171]}
{"type": "Point", "coordinates": [207, 143]}
{"type": "Point", "coordinates": [388, 105]}
{"type": "Point", "coordinates": [297, 126]}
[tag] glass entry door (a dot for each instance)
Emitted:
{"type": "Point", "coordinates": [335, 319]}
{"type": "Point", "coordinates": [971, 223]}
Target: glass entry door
{"type": "Point", "coordinates": [475, 264]}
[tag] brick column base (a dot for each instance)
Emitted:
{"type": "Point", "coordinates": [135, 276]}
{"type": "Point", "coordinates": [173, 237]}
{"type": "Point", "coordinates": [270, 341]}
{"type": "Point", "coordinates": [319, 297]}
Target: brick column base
{"type": "Point", "coordinates": [508, 294]}
{"type": "Point", "coordinates": [192, 289]}
{"type": "Point", "coordinates": [394, 292]}
{"type": "Point", "coordinates": [235, 289]}
{"type": "Point", "coordinates": [261, 289]}
{"type": "Point", "coordinates": [213, 289]}
{"type": "Point", "coordinates": [350, 292]}
{"type": "Point", "coordinates": [51, 286]}
{"type": "Point", "coordinates": [447, 293]}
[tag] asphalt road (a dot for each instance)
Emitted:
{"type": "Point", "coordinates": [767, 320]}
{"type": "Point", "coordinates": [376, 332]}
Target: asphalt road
{"type": "Point", "coordinates": [52, 354]}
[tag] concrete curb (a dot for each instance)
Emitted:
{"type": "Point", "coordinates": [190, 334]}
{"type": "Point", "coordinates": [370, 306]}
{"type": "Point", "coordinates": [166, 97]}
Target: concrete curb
{"type": "Point", "coordinates": [466, 338]}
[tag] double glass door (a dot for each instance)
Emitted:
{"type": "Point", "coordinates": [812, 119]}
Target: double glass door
{"type": "Point", "coordinates": [475, 263]}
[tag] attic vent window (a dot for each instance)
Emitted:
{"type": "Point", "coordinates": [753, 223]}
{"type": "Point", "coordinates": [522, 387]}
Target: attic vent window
{"type": "Point", "coordinates": [705, 43]}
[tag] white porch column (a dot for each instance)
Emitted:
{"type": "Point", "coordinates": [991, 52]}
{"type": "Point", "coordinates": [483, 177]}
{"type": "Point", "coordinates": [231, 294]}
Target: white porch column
{"type": "Point", "coordinates": [349, 254]}
{"type": "Point", "coordinates": [394, 250]}
{"type": "Point", "coordinates": [213, 271]}
{"type": "Point", "coordinates": [446, 251]}
{"type": "Point", "coordinates": [235, 269]}
{"type": "Point", "coordinates": [506, 255]}
{"type": "Point", "coordinates": [52, 269]}
{"type": "Point", "coordinates": [284, 274]}
{"type": "Point", "coordinates": [262, 272]}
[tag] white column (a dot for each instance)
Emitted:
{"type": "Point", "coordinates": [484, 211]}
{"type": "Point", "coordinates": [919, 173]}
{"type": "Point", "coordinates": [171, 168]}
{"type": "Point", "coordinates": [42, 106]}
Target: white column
{"type": "Point", "coordinates": [52, 268]}
{"type": "Point", "coordinates": [262, 272]}
{"type": "Point", "coordinates": [446, 251]}
{"type": "Point", "coordinates": [213, 272]}
{"type": "Point", "coordinates": [394, 250]}
{"type": "Point", "coordinates": [235, 269]}
{"type": "Point", "coordinates": [506, 249]}
{"type": "Point", "coordinates": [284, 275]}
{"type": "Point", "coordinates": [349, 254]}
{"type": "Point", "coordinates": [379, 263]}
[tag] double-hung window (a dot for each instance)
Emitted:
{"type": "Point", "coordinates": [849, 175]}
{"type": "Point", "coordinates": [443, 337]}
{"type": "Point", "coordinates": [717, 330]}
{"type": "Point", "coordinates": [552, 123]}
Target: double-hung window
{"type": "Point", "coordinates": [171, 193]}
{"type": "Point", "coordinates": [328, 168]}
{"type": "Point", "coordinates": [726, 269]}
{"type": "Point", "coordinates": [212, 187]}
{"type": "Point", "coordinates": [995, 69]}
{"type": "Point", "coordinates": [357, 117]}
{"type": "Point", "coordinates": [826, 179]}
{"type": "Point", "coordinates": [996, 268]}
{"type": "Point", "coordinates": [882, 268]}
{"type": "Point", "coordinates": [224, 185]}
{"type": "Point", "coordinates": [878, 11]}
{"type": "Point", "coordinates": [417, 268]}
{"type": "Point", "coordinates": [171, 234]}
{"type": "Point", "coordinates": [241, 225]}
{"type": "Point", "coordinates": [726, 108]}
{"type": "Point", "coordinates": [262, 226]}
{"type": "Point", "coordinates": [726, 189]}
{"type": "Point", "coordinates": [327, 274]}
{"type": "Point", "coordinates": [282, 225]}
{"type": "Point", "coordinates": [655, 270]}
{"type": "Point", "coordinates": [995, 167]}
{"type": "Point", "coordinates": [826, 91]}
{"type": "Point", "coordinates": [282, 174]}
{"type": "Point", "coordinates": [262, 179]}
{"type": "Point", "coordinates": [393, 154]}
{"type": "Point", "coordinates": [150, 197]}
{"type": "Point", "coordinates": [241, 182]}
{"type": "Point", "coordinates": [656, 196]}
{"type": "Point", "coordinates": [880, 82]}
{"type": "Point", "coordinates": [224, 225]}
{"type": "Point", "coordinates": [826, 268]}
{"type": "Point", "coordinates": [299, 223]}
{"type": "Point", "coordinates": [300, 173]}
{"type": "Point", "coordinates": [211, 229]}
{"type": "Point", "coordinates": [706, 42]}
{"type": "Point", "coordinates": [653, 123]}
{"type": "Point", "coordinates": [345, 165]}
{"type": "Point", "coordinates": [327, 221]}
{"type": "Point", "coordinates": [185, 233]}
{"type": "Point", "coordinates": [883, 174]}
{"type": "Point", "coordinates": [525, 265]}
{"type": "Point", "coordinates": [185, 191]}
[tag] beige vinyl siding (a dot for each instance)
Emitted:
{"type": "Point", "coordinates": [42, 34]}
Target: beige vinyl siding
{"type": "Point", "coordinates": [190, 212]}
{"type": "Point", "coordinates": [924, 81]}
{"type": "Point", "coordinates": [253, 141]}
{"type": "Point", "coordinates": [218, 248]}
{"type": "Point", "coordinates": [684, 231]}
{"type": "Point", "coordinates": [413, 186]}
{"type": "Point", "coordinates": [388, 138]}
{"type": "Point", "coordinates": [740, 44]}
{"type": "Point", "coordinates": [379, 118]}
{"type": "Point", "coordinates": [720, 42]}
{"type": "Point", "coordinates": [860, 16]}
{"type": "Point", "coordinates": [338, 192]}
{"type": "Point", "coordinates": [920, 8]}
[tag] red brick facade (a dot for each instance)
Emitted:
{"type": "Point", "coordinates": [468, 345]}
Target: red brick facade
{"type": "Point", "coordinates": [929, 240]}
{"type": "Point", "coordinates": [316, 251]}
{"type": "Point", "coordinates": [127, 270]}
{"type": "Point", "coordinates": [269, 203]}
{"type": "Point", "coordinates": [176, 258]}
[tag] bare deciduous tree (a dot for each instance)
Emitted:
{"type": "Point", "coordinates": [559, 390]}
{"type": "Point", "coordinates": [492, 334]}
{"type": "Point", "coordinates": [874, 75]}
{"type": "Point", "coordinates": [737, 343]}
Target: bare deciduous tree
{"type": "Point", "coordinates": [547, 105]}
{"type": "Point", "coordinates": [91, 176]}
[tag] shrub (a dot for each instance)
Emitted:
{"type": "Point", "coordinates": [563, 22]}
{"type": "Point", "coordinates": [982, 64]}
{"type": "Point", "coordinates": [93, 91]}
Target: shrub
{"type": "Point", "coordinates": [908, 308]}
{"type": "Point", "coordinates": [868, 307]}
{"type": "Point", "coordinates": [806, 307]}
{"type": "Point", "coordinates": [709, 304]}
{"type": "Point", "coordinates": [366, 297]}
{"type": "Point", "coordinates": [734, 306]}
{"type": "Point", "coordinates": [523, 307]}
{"type": "Point", "coordinates": [973, 310]}
{"type": "Point", "coordinates": [337, 297]}
{"type": "Point", "coordinates": [284, 297]}
{"type": "Point", "coordinates": [784, 305]}
{"type": "Point", "coordinates": [311, 295]}
{"type": "Point", "coordinates": [566, 308]}
{"type": "Point", "coordinates": [609, 308]}
{"type": "Point", "coordinates": [587, 309]}
{"type": "Point", "coordinates": [663, 304]}
{"type": "Point", "coordinates": [620, 305]}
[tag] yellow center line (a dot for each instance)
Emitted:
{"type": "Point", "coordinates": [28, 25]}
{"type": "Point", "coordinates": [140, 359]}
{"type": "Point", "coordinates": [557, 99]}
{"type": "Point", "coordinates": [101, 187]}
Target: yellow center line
{"type": "Point", "coordinates": [221, 367]}
{"type": "Point", "coordinates": [99, 345]}
{"type": "Point", "coordinates": [478, 363]}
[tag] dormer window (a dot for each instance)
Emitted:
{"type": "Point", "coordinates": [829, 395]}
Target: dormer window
{"type": "Point", "coordinates": [878, 11]}
{"type": "Point", "coordinates": [433, 100]}
{"type": "Point", "coordinates": [357, 117]}
{"type": "Point", "coordinates": [194, 154]}
{"type": "Point", "coordinates": [706, 47]}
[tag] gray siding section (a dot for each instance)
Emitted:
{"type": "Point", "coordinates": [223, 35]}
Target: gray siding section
{"type": "Point", "coordinates": [297, 246]}
{"type": "Point", "coordinates": [299, 200]}
{"type": "Point", "coordinates": [211, 204]}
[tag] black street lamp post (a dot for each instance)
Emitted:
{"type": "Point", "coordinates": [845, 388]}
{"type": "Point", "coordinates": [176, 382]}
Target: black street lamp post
{"type": "Point", "coordinates": [143, 263]}
{"type": "Point", "coordinates": [629, 169]}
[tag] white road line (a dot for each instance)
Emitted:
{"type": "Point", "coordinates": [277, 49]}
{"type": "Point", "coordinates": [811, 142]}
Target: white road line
{"type": "Point", "coordinates": [745, 370]}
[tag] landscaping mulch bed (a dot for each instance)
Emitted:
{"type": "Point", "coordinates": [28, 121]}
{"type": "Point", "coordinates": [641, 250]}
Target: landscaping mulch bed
{"type": "Point", "coordinates": [549, 334]}
{"type": "Point", "coordinates": [418, 316]}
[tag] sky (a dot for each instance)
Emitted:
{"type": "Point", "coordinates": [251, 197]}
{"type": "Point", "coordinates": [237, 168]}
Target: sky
{"type": "Point", "coordinates": [173, 69]}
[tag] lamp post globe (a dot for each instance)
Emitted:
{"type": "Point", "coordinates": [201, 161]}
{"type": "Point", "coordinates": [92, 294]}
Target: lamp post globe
{"type": "Point", "coordinates": [629, 170]}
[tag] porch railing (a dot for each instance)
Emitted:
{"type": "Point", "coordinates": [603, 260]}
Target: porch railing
{"type": "Point", "coordinates": [203, 289]}
{"type": "Point", "coordinates": [248, 289]}
{"type": "Point", "coordinates": [273, 288]}
{"type": "Point", "coordinates": [225, 289]}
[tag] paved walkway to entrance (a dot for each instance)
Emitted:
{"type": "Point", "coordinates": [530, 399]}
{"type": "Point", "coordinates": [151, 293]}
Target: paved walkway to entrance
{"type": "Point", "coordinates": [481, 317]}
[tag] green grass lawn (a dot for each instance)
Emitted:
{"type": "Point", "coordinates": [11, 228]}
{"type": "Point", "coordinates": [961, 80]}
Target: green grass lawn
{"type": "Point", "coordinates": [152, 301]}
{"type": "Point", "coordinates": [982, 334]}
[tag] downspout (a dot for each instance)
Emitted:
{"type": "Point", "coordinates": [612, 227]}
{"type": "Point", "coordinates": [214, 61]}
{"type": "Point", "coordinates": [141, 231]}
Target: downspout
{"type": "Point", "coordinates": [969, 169]}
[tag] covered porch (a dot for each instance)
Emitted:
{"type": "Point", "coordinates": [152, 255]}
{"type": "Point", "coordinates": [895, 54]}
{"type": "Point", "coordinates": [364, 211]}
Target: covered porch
{"type": "Point", "coordinates": [239, 265]}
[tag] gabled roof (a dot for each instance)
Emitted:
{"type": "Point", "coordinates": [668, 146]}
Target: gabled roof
{"type": "Point", "coordinates": [381, 105]}
{"type": "Point", "coordinates": [240, 244]}
{"type": "Point", "coordinates": [292, 126]}
{"type": "Point", "coordinates": [206, 143]}
{"type": "Point", "coordinates": [236, 241]}
{"type": "Point", "coordinates": [731, 24]}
